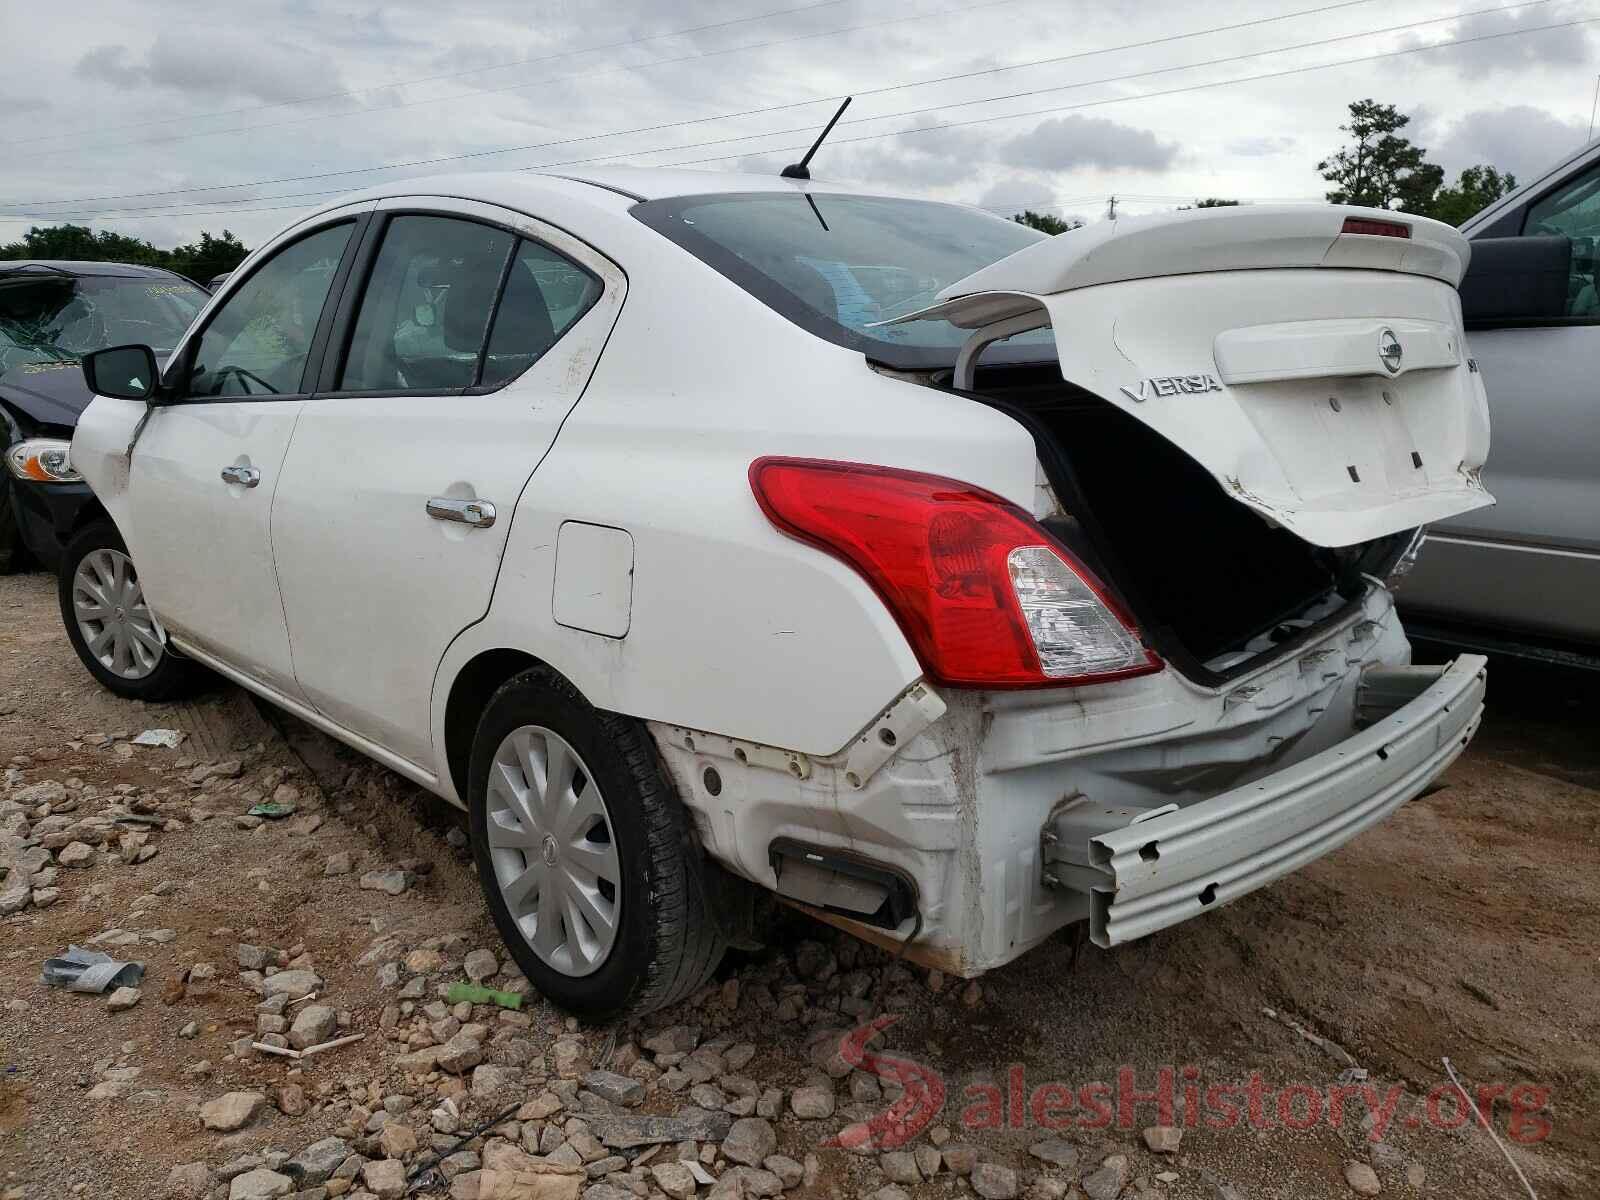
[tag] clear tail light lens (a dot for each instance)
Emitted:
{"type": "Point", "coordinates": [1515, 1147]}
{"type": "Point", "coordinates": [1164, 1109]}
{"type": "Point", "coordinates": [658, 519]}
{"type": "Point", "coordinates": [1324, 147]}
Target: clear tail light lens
{"type": "Point", "coordinates": [984, 594]}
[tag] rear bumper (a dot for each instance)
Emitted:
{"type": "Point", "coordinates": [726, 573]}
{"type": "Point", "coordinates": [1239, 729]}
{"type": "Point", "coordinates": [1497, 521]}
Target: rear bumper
{"type": "Point", "coordinates": [1171, 867]}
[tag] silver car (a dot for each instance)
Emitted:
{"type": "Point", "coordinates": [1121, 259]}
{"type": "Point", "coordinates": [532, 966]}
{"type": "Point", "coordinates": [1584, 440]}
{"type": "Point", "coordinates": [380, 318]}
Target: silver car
{"type": "Point", "coordinates": [1523, 577]}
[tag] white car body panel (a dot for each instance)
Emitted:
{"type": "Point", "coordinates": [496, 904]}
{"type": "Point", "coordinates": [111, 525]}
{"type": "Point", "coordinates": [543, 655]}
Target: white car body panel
{"type": "Point", "coordinates": [630, 556]}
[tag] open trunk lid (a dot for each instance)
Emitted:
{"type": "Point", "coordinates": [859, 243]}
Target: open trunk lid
{"type": "Point", "coordinates": [1311, 359]}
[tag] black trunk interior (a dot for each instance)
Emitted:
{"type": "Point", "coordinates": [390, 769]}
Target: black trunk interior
{"type": "Point", "coordinates": [1202, 574]}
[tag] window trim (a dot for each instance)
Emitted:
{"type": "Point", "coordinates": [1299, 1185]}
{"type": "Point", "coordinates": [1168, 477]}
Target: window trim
{"type": "Point", "coordinates": [179, 365]}
{"type": "Point", "coordinates": [350, 305]}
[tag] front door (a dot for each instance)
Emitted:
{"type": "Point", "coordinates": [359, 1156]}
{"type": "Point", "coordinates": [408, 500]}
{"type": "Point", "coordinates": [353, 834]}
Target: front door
{"type": "Point", "coordinates": [449, 375]}
{"type": "Point", "coordinates": [206, 464]}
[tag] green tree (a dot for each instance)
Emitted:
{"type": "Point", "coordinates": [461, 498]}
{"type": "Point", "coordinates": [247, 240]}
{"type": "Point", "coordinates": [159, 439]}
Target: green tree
{"type": "Point", "coordinates": [208, 257]}
{"type": "Point", "coordinates": [1046, 223]}
{"type": "Point", "coordinates": [1380, 168]}
{"type": "Point", "coordinates": [1475, 189]}
{"type": "Point", "coordinates": [197, 260]}
{"type": "Point", "coordinates": [1209, 202]}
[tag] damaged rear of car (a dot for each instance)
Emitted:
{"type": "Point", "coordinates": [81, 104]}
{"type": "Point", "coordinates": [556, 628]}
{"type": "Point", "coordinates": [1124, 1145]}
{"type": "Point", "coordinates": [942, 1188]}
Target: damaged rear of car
{"type": "Point", "coordinates": [1178, 674]}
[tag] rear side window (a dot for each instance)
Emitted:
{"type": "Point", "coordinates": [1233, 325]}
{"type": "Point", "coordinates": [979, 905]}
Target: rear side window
{"type": "Point", "coordinates": [429, 299]}
{"type": "Point", "coordinates": [1573, 211]}
{"type": "Point", "coordinates": [544, 297]}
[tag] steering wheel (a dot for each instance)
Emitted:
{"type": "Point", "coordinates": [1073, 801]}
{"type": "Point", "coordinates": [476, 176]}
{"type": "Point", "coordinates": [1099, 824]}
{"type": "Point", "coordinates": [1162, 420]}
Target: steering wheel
{"type": "Point", "coordinates": [247, 376]}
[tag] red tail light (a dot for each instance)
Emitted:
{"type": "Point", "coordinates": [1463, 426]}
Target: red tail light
{"type": "Point", "coordinates": [1376, 228]}
{"type": "Point", "coordinates": [985, 596]}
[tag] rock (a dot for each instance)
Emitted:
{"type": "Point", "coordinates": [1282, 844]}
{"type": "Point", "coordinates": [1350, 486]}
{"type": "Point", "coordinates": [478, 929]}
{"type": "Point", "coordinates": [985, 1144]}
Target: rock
{"type": "Point", "coordinates": [1363, 1180]}
{"type": "Point", "coordinates": [1107, 1180]}
{"type": "Point", "coordinates": [397, 1140]}
{"type": "Point", "coordinates": [229, 769]}
{"type": "Point", "coordinates": [812, 1103]}
{"type": "Point", "coordinates": [254, 958]}
{"type": "Point", "coordinates": [679, 1039]}
{"type": "Point", "coordinates": [318, 1161]}
{"type": "Point", "coordinates": [994, 1182]}
{"type": "Point", "coordinates": [123, 999]}
{"type": "Point", "coordinates": [260, 1184]}
{"type": "Point", "coordinates": [15, 899]}
{"type": "Point", "coordinates": [460, 1054]}
{"type": "Point", "coordinates": [491, 1083]}
{"type": "Point", "coordinates": [232, 1111]}
{"type": "Point", "coordinates": [338, 864]}
{"type": "Point", "coordinates": [929, 1161]}
{"type": "Point", "coordinates": [481, 965]}
{"type": "Point", "coordinates": [900, 1166]}
{"type": "Point", "coordinates": [750, 1140]}
{"type": "Point", "coordinates": [674, 1179]}
{"type": "Point", "coordinates": [1163, 1139]}
{"type": "Point", "coordinates": [618, 1089]}
{"type": "Point", "coordinates": [190, 1181]}
{"type": "Point", "coordinates": [889, 1192]}
{"type": "Point", "coordinates": [813, 960]}
{"type": "Point", "coordinates": [566, 1056]}
{"type": "Point", "coordinates": [959, 1158]}
{"type": "Point", "coordinates": [424, 962]}
{"type": "Point", "coordinates": [44, 897]}
{"type": "Point", "coordinates": [972, 994]}
{"type": "Point", "coordinates": [689, 1125]}
{"type": "Point", "coordinates": [291, 1100]}
{"type": "Point", "coordinates": [754, 1181]}
{"type": "Point", "coordinates": [1057, 1152]}
{"type": "Point", "coordinates": [789, 1172]}
{"type": "Point", "coordinates": [1416, 1175]}
{"type": "Point", "coordinates": [315, 1023]}
{"type": "Point", "coordinates": [76, 854]}
{"type": "Point", "coordinates": [391, 882]}
{"type": "Point", "coordinates": [293, 984]}
{"type": "Point", "coordinates": [384, 1178]}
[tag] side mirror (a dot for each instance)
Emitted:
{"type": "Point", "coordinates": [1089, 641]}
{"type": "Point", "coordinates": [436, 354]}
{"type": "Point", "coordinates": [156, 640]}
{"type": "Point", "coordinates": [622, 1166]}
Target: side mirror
{"type": "Point", "coordinates": [125, 372]}
{"type": "Point", "coordinates": [1517, 281]}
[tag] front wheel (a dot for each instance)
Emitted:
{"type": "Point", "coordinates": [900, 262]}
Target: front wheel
{"type": "Point", "coordinates": [585, 855]}
{"type": "Point", "coordinates": [111, 626]}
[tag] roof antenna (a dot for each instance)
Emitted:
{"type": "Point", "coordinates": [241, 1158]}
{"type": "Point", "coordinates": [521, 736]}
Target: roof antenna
{"type": "Point", "coordinates": [801, 169]}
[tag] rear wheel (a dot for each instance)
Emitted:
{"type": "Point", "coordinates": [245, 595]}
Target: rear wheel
{"type": "Point", "coordinates": [111, 626]}
{"type": "Point", "coordinates": [584, 853]}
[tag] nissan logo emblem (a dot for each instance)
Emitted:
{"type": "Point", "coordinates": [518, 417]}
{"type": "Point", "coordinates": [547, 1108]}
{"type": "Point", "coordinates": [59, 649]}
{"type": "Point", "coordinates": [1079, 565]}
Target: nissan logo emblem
{"type": "Point", "coordinates": [1390, 351]}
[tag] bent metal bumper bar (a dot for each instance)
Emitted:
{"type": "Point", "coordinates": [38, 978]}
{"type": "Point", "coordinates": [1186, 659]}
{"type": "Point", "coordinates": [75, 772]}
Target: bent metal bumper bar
{"type": "Point", "coordinates": [1144, 870]}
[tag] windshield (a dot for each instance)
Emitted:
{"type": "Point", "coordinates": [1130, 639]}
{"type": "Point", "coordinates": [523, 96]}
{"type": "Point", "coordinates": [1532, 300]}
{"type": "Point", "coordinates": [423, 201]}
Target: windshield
{"type": "Point", "coordinates": [57, 319]}
{"type": "Point", "coordinates": [837, 264]}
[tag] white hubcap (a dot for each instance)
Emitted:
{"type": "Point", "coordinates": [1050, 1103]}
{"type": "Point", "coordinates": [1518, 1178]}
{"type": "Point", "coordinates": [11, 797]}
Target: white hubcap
{"type": "Point", "coordinates": [117, 626]}
{"type": "Point", "coordinates": [551, 844]}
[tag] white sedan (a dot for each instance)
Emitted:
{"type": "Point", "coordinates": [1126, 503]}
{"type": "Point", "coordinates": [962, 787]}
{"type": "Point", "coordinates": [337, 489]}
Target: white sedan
{"type": "Point", "coordinates": [702, 534]}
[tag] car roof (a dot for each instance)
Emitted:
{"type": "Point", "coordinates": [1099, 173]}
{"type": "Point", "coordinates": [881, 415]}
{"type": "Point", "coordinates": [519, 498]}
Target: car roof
{"type": "Point", "coordinates": [75, 267]}
{"type": "Point", "coordinates": [508, 188]}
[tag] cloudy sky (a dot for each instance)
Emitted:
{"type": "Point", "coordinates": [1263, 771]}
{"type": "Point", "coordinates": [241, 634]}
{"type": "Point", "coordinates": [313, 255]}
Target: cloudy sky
{"type": "Point", "coordinates": [136, 116]}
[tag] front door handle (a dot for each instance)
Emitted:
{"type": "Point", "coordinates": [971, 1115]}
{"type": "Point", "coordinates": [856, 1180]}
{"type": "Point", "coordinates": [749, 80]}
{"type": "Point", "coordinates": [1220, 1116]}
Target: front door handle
{"type": "Point", "coordinates": [243, 476]}
{"type": "Point", "coordinates": [477, 513]}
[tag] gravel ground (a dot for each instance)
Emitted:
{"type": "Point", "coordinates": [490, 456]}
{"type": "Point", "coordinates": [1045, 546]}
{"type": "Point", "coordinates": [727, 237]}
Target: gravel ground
{"type": "Point", "coordinates": [1467, 927]}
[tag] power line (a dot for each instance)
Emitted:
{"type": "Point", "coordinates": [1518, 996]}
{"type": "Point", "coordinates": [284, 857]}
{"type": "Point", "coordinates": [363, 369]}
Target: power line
{"type": "Point", "coordinates": [516, 87]}
{"type": "Point", "coordinates": [1195, 87]}
{"type": "Point", "coordinates": [413, 81]}
{"type": "Point", "coordinates": [798, 104]}
{"type": "Point", "coordinates": [132, 215]}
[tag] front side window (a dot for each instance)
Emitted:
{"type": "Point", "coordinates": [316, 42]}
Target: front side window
{"type": "Point", "coordinates": [49, 319]}
{"type": "Point", "coordinates": [839, 264]}
{"type": "Point", "coordinates": [258, 342]}
{"type": "Point", "coordinates": [1573, 211]}
{"type": "Point", "coordinates": [425, 315]}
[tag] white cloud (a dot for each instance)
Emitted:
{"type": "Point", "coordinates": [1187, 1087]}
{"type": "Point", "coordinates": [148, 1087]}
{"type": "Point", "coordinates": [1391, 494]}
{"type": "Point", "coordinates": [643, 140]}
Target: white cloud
{"type": "Point", "coordinates": [1521, 139]}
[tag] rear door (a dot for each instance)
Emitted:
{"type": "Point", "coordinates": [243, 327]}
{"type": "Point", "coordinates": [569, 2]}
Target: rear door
{"type": "Point", "coordinates": [471, 336]}
{"type": "Point", "coordinates": [197, 507]}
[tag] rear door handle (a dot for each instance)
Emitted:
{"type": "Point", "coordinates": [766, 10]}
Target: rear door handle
{"type": "Point", "coordinates": [477, 513]}
{"type": "Point", "coordinates": [243, 476]}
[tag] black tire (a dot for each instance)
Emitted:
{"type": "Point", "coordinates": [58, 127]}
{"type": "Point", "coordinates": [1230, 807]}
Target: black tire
{"type": "Point", "coordinates": [173, 676]}
{"type": "Point", "coordinates": [668, 940]}
{"type": "Point", "coordinates": [13, 554]}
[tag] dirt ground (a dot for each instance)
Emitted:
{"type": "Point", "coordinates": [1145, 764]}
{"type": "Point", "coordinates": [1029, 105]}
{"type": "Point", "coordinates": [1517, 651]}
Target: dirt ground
{"type": "Point", "coordinates": [1467, 927]}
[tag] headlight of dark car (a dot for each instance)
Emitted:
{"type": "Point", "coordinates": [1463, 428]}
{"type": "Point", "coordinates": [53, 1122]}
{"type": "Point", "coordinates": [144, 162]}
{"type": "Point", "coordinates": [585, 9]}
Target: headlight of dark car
{"type": "Point", "coordinates": [43, 460]}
